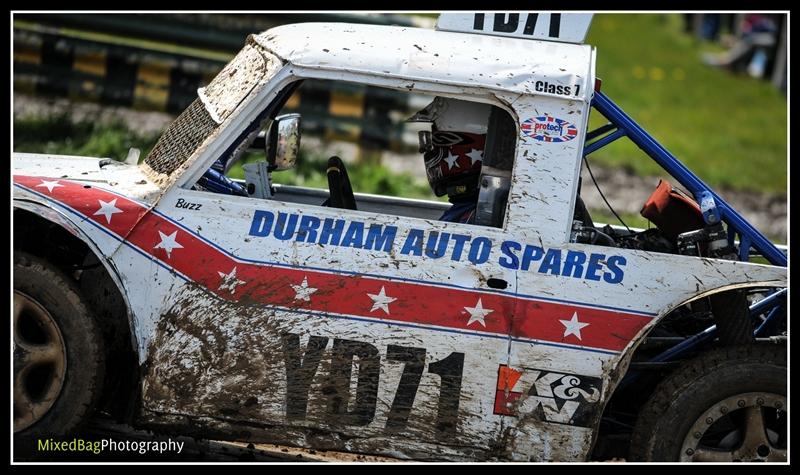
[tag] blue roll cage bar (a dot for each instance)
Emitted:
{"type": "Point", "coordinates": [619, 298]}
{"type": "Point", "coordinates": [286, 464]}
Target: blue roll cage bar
{"type": "Point", "coordinates": [714, 210]}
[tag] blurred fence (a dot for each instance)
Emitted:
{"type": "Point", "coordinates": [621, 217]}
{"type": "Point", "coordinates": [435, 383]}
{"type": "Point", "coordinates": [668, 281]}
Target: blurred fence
{"type": "Point", "coordinates": [157, 62]}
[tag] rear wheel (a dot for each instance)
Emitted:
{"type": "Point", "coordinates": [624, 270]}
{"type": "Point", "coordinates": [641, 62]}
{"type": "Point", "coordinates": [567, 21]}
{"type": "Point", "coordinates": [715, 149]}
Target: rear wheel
{"type": "Point", "coordinates": [724, 406]}
{"type": "Point", "coordinates": [58, 356]}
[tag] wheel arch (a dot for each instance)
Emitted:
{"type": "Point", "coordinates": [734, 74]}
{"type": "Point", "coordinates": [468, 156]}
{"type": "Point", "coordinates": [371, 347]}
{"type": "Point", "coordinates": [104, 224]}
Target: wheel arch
{"type": "Point", "coordinates": [635, 343]}
{"type": "Point", "coordinates": [113, 310]}
{"type": "Point", "coordinates": [622, 368]}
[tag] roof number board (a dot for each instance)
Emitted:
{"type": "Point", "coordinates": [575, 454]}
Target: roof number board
{"type": "Point", "coordinates": [563, 27]}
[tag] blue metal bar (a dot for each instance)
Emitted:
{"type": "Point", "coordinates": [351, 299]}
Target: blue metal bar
{"type": "Point", "coordinates": [674, 352]}
{"type": "Point", "coordinates": [744, 248]}
{"type": "Point", "coordinates": [674, 167]}
{"type": "Point", "coordinates": [757, 308]}
{"type": "Point", "coordinates": [600, 131]}
{"type": "Point", "coordinates": [602, 142]}
{"type": "Point", "coordinates": [771, 317]}
{"type": "Point", "coordinates": [767, 302]}
{"type": "Point", "coordinates": [773, 301]}
{"type": "Point", "coordinates": [687, 345]}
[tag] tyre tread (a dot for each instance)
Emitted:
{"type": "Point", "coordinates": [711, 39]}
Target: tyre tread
{"type": "Point", "coordinates": [28, 266]}
{"type": "Point", "coordinates": [651, 418]}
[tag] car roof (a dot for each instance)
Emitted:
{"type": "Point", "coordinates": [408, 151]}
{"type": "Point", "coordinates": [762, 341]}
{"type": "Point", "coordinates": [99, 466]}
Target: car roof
{"type": "Point", "coordinates": [463, 59]}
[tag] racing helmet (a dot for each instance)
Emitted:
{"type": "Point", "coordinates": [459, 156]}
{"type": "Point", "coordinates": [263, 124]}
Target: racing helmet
{"type": "Point", "coordinates": [453, 149]}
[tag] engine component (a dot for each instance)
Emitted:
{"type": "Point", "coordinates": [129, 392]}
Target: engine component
{"type": "Point", "coordinates": [652, 240]}
{"type": "Point", "coordinates": [710, 241]}
{"type": "Point", "coordinates": [590, 235]}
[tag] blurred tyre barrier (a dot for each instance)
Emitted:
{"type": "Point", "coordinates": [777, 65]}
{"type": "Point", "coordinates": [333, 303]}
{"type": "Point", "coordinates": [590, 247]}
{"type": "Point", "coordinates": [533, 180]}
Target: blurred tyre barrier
{"type": "Point", "coordinates": [157, 62]}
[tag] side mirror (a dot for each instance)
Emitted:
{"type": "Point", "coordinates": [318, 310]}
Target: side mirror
{"type": "Point", "coordinates": [283, 142]}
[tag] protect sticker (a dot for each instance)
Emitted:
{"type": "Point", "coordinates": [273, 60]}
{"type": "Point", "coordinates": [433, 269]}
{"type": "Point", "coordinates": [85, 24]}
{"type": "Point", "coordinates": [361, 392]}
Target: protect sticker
{"type": "Point", "coordinates": [549, 129]}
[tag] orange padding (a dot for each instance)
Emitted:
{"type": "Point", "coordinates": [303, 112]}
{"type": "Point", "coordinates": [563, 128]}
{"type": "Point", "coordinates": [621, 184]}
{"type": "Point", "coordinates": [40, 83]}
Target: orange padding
{"type": "Point", "coordinates": [672, 212]}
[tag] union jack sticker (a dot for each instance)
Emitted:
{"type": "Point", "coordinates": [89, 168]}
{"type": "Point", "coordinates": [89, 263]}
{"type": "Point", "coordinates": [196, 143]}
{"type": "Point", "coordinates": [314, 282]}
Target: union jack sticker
{"type": "Point", "coordinates": [549, 129]}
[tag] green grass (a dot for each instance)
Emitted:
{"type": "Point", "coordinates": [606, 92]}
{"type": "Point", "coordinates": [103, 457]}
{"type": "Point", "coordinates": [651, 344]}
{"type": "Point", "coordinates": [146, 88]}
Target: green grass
{"type": "Point", "coordinates": [632, 220]}
{"type": "Point", "coordinates": [58, 135]}
{"type": "Point", "coordinates": [731, 130]}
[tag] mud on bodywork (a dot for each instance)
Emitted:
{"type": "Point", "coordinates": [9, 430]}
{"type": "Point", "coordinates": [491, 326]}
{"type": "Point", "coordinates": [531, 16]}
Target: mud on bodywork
{"type": "Point", "coordinates": [231, 369]}
{"type": "Point", "coordinates": [228, 367]}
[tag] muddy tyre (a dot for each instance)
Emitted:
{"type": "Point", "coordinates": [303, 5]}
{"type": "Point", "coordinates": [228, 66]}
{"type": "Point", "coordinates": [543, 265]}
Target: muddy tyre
{"type": "Point", "coordinates": [726, 405]}
{"type": "Point", "coordinates": [58, 352]}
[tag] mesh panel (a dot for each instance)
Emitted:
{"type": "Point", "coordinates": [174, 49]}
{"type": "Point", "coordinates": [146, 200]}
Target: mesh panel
{"type": "Point", "coordinates": [229, 88]}
{"type": "Point", "coordinates": [181, 139]}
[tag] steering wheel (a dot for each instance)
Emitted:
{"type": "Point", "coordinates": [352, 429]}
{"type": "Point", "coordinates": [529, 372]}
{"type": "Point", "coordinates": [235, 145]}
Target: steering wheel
{"type": "Point", "coordinates": [341, 192]}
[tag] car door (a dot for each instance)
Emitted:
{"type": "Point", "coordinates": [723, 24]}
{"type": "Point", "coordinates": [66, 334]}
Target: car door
{"type": "Point", "coordinates": [298, 317]}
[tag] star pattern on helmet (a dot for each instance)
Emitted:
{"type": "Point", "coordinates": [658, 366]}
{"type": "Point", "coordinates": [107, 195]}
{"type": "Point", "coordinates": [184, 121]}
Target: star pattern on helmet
{"type": "Point", "coordinates": [452, 160]}
{"type": "Point", "coordinates": [475, 155]}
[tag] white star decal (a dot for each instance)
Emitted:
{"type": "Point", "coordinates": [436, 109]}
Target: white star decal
{"type": "Point", "coordinates": [381, 301]}
{"type": "Point", "coordinates": [303, 291]}
{"type": "Point", "coordinates": [477, 313]}
{"type": "Point", "coordinates": [168, 243]}
{"type": "Point", "coordinates": [108, 209]}
{"type": "Point", "coordinates": [573, 326]}
{"type": "Point", "coordinates": [475, 156]}
{"type": "Point", "coordinates": [451, 160]}
{"type": "Point", "coordinates": [229, 281]}
{"type": "Point", "coordinates": [50, 185]}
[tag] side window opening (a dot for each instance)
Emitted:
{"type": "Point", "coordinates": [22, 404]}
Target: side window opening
{"type": "Point", "coordinates": [495, 182]}
{"type": "Point", "coordinates": [356, 155]}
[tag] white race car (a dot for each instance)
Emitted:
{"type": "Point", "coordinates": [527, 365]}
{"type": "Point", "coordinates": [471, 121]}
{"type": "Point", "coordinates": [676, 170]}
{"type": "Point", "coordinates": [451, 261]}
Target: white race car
{"type": "Point", "coordinates": [184, 301]}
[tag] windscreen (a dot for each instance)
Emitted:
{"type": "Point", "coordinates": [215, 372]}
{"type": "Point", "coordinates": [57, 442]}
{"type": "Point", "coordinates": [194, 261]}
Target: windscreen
{"type": "Point", "coordinates": [215, 103]}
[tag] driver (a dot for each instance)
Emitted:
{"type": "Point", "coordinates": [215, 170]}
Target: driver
{"type": "Point", "coordinates": [453, 152]}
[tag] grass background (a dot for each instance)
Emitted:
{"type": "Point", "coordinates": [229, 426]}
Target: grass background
{"type": "Point", "coordinates": [731, 130]}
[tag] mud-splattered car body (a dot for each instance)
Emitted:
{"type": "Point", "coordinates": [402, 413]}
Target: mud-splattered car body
{"type": "Point", "coordinates": [351, 330]}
